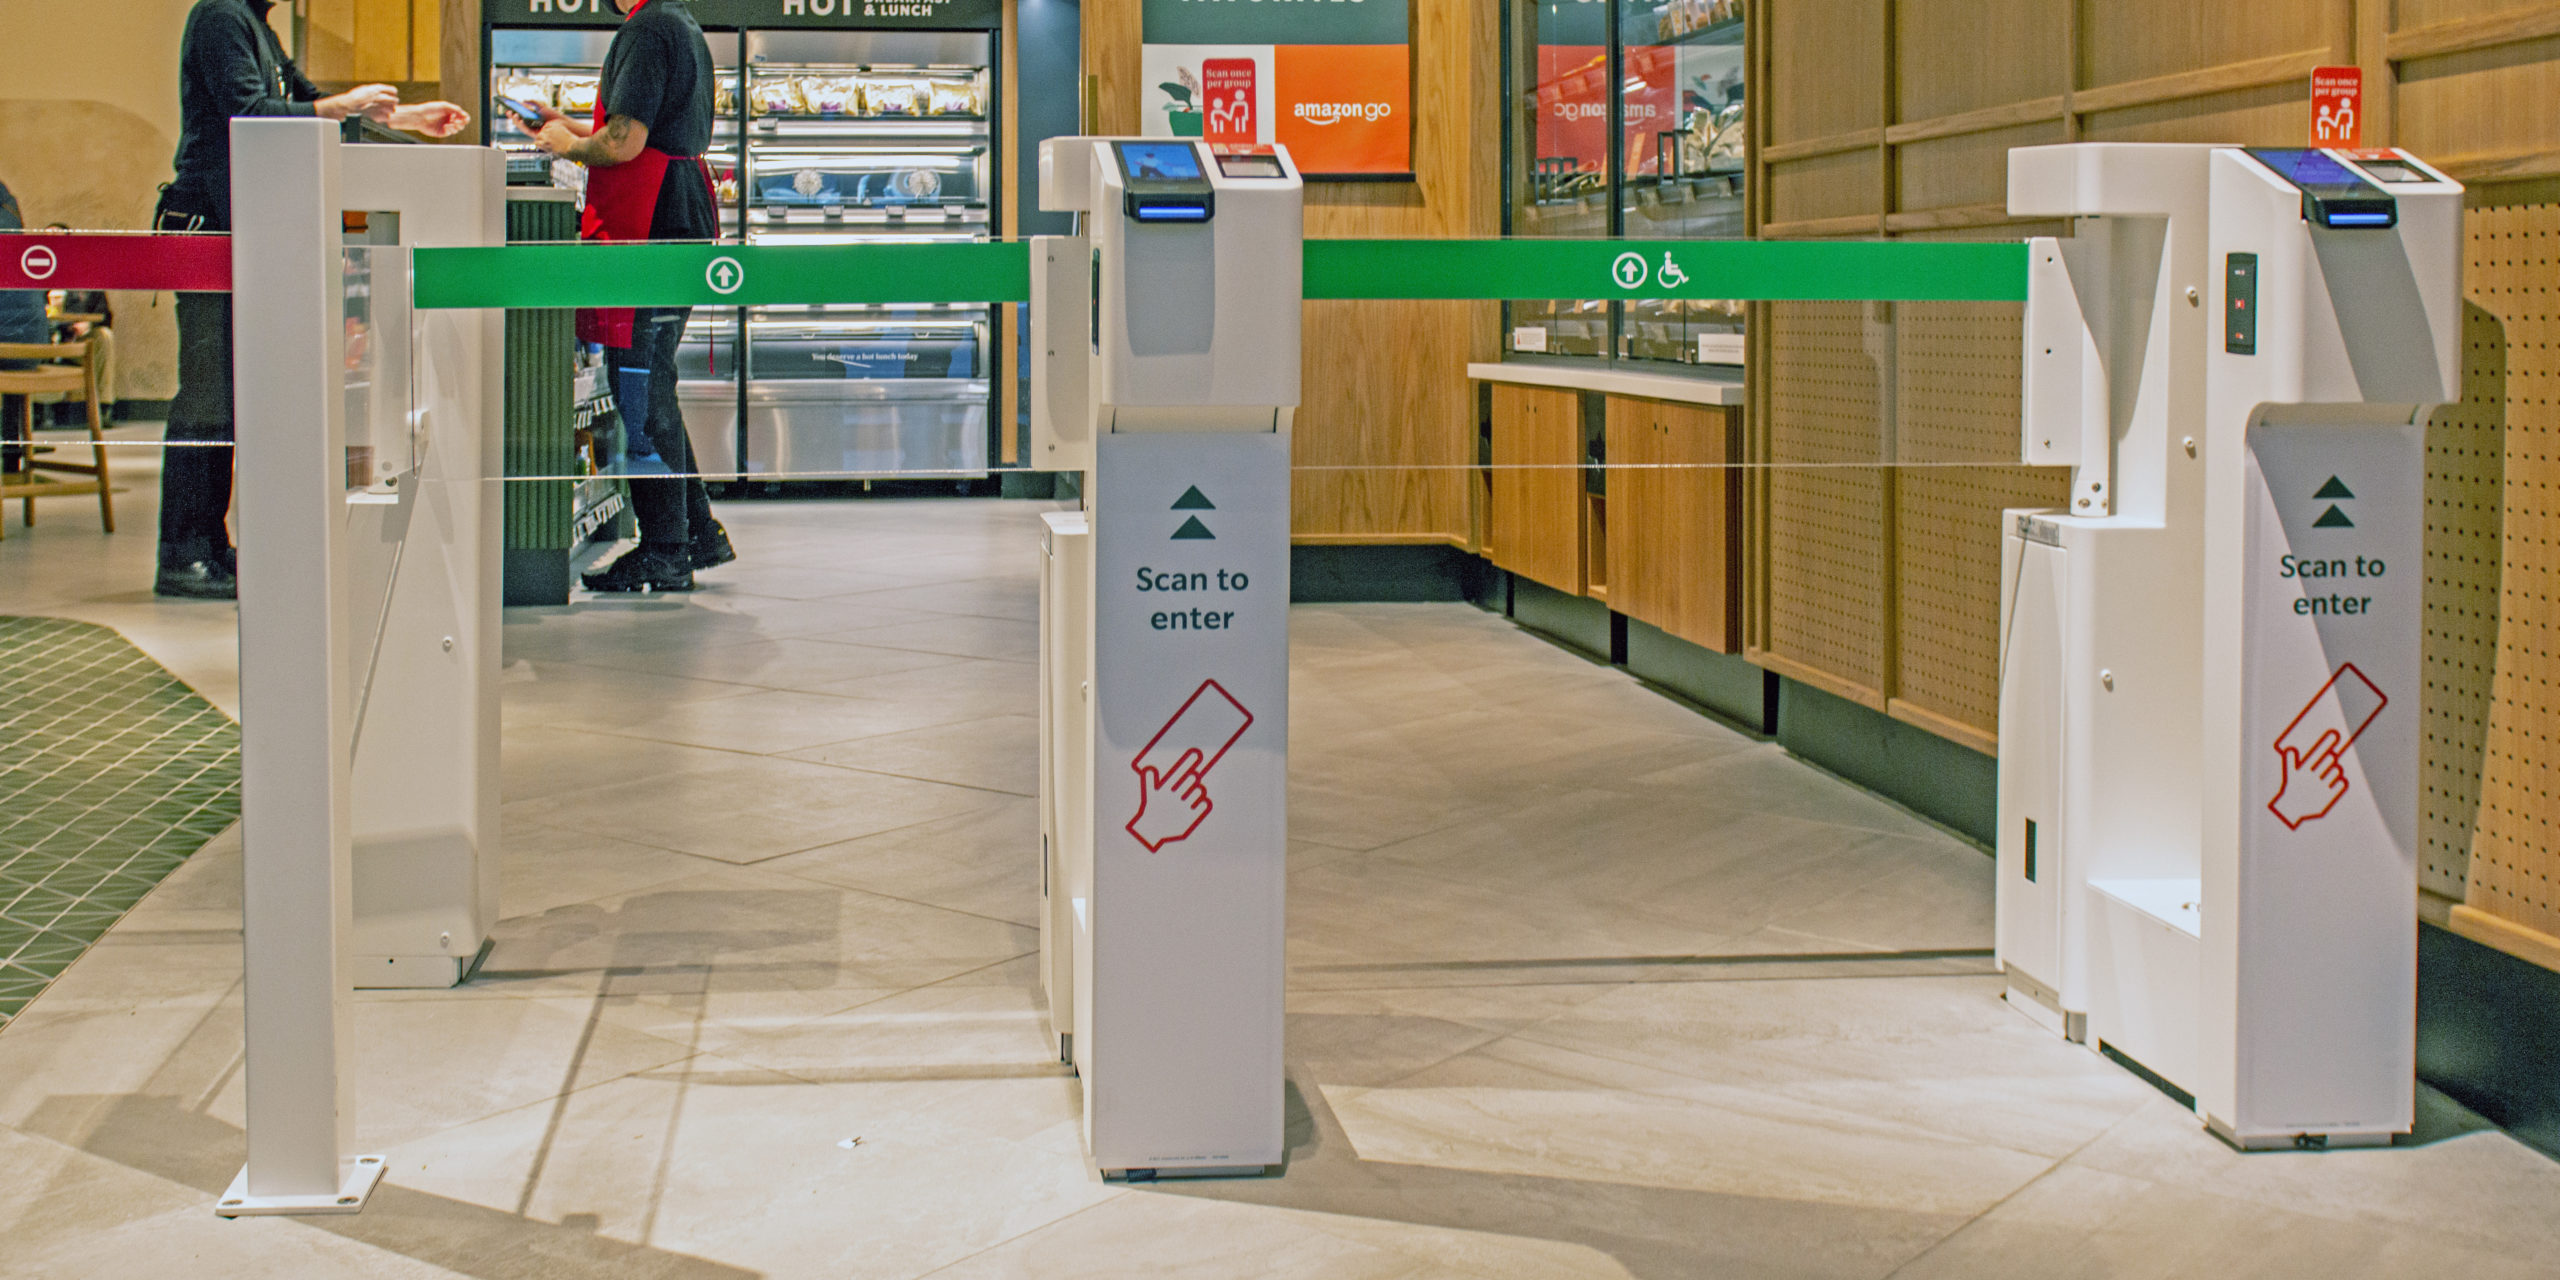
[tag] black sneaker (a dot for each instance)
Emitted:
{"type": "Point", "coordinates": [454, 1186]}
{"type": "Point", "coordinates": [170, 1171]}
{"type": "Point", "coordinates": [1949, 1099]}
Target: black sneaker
{"type": "Point", "coordinates": [197, 580]}
{"type": "Point", "coordinates": [711, 550]}
{"type": "Point", "coordinates": [642, 569]}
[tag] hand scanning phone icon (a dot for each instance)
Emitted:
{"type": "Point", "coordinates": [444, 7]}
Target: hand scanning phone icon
{"type": "Point", "coordinates": [2313, 748]}
{"type": "Point", "coordinates": [1173, 768]}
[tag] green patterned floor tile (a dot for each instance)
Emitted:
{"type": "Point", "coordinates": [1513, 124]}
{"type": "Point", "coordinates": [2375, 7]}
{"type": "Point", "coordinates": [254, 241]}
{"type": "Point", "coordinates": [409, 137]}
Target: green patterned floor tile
{"type": "Point", "coordinates": [112, 772]}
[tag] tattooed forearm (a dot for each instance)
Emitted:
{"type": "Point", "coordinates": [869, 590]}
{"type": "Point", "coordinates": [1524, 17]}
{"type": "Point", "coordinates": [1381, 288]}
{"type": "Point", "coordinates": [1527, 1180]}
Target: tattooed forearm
{"type": "Point", "coordinates": [613, 144]}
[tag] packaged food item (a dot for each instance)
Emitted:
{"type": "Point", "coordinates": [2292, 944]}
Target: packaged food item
{"type": "Point", "coordinates": [830, 97]}
{"type": "Point", "coordinates": [577, 97]}
{"type": "Point", "coordinates": [777, 97]}
{"type": "Point", "coordinates": [883, 96]}
{"type": "Point", "coordinates": [956, 98]}
{"type": "Point", "coordinates": [724, 98]}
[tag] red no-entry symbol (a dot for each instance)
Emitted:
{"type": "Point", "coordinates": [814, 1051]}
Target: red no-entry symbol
{"type": "Point", "coordinates": [115, 260]}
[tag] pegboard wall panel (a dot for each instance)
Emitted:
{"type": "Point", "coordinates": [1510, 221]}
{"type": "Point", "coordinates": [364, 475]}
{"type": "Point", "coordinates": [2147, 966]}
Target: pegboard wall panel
{"type": "Point", "coordinates": [1827, 542]}
{"type": "Point", "coordinates": [2511, 397]}
{"type": "Point", "coordinates": [2466, 466]}
{"type": "Point", "coordinates": [1957, 401]}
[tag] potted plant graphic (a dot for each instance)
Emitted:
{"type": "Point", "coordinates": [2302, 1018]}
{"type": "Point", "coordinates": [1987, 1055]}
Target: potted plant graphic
{"type": "Point", "coordinates": [1182, 103]}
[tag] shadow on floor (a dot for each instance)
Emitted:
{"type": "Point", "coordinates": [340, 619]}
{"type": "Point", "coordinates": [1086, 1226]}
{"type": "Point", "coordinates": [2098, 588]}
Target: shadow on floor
{"type": "Point", "coordinates": [161, 1137]}
{"type": "Point", "coordinates": [1655, 1233]}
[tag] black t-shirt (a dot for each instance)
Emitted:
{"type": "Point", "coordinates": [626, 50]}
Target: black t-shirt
{"type": "Point", "coordinates": [229, 64]}
{"type": "Point", "coordinates": [658, 72]}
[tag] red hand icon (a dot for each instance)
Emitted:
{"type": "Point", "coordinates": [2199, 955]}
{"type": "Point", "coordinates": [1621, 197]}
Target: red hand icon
{"type": "Point", "coordinates": [1171, 802]}
{"type": "Point", "coordinates": [2314, 780]}
{"type": "Point", "coordinates": [1172, 799]}
{"type": "Point", "coordinates": [2313, 748]}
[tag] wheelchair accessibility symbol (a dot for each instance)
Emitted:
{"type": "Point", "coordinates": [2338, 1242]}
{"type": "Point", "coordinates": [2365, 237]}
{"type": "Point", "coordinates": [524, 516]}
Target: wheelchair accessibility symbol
{"type": "Point", "coordinates": [1672, 276]}
{"type": "Point", "coordinates": [1629, 270]}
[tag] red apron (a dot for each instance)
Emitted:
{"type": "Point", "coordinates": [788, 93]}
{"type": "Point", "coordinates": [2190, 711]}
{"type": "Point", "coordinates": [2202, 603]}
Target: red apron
{"type": "Point", "coordinates": [622, 200]}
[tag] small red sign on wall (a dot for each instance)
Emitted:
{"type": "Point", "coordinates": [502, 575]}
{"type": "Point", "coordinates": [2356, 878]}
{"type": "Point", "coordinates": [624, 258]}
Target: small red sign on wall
{"type": "Point", "coordinates": [2337, 107]}
{"type": "Point", "coordinates": [1228, 93]}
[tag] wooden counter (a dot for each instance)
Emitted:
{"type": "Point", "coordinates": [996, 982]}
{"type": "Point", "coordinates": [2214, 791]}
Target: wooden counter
{"type": "Point", "coordinates": [1659, 538]}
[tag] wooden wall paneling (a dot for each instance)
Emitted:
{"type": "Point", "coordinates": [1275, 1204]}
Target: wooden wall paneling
{"type": "Point", "coordinates": [1535, 524]}
{"type": "Point", "coordinates": [2466, 466]}
{"type": "Point", "coordinates": [1957, 427]}
{"type": "Point", "coordinates": [1383, 444]}
{"type": "Point", "coordinates": [1959, 56]}
{"type": "Point", "coordinates": [2514, 282]}
{"type": "Point", "coordinates": [1840, 186]}
{"type": "Point", "coordinates": [2484, 113]}
{"type": "Point", "coordinates": [458, 61]}
{"type": "Point", "coordinates": [1826, 558]}
{"type": "Point", "coordinates": [1969, 170]}
{"type": "Point", "coordinates": [2126, 43]}
{"type": "Point", "coordinates": [1830, 45]}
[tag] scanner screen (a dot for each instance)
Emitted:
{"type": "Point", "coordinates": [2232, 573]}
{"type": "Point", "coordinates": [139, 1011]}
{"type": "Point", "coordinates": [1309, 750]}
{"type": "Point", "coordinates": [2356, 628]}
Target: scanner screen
{"type": "Point", "coordinates": [2306, 168]}
{"type": "Point", "coordinates": [1160, 161]}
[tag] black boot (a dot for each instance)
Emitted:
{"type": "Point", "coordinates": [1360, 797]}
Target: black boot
{"type": "Point", "coordinates": [712, 549]}
{"type": "Point", "coordinates": [643, 569]}
{"type": "Point", "coordinates": [196, 580]}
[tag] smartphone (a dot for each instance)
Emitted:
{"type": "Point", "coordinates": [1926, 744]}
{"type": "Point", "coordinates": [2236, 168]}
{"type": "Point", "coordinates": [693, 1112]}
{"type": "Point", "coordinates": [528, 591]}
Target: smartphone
{"type": "Point", "coordinates": [526, 112]}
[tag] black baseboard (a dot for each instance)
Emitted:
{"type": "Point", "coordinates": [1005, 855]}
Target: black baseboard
{"type": "Point", "coordinates": [1947, 783]}
{"type": "Point", "coordinates": [1383, 575]}
{"type": "Point", "coordinates": [2489, 1034]}
{"type": "Point", "coordinates": [1723, 683]}
{"type": "Point", "coordinates": [1577, 622]}
{"type": "Point", "coordinates": [1033, 484]}
{"type": "Point", "coordinates": [535, 575]}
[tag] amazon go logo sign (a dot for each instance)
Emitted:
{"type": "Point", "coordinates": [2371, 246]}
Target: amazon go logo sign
{"type": "Point", "coordinates": [1324, 113]}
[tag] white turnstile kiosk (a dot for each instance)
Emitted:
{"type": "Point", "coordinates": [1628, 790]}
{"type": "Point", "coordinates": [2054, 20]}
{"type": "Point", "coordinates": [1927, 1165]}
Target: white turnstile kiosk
{"type": "Point", "coordinates": [2207, 855]}
{"type": "Point", "coordinates": [1167, 372]}
{"type": "Point", "coordinates": [368, 620]}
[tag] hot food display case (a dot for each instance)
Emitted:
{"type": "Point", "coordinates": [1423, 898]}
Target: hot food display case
{"type": "Point", "coordinates": [868, 137]}
{"type": "Point", "coordinates": [832, 128]}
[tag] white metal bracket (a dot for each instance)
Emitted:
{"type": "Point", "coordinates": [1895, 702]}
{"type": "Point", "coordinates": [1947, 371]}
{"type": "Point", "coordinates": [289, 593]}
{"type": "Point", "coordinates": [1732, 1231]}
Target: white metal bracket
{"type": "Point", "coordinates": [361, 1178]}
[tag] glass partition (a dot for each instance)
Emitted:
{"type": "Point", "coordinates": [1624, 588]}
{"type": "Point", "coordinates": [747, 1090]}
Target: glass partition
{"type": "Point", "coordinates": [1625, 120]}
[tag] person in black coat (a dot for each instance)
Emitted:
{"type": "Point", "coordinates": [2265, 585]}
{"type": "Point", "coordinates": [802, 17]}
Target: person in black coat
{"type": "Point", "coordinates": [230, 64]}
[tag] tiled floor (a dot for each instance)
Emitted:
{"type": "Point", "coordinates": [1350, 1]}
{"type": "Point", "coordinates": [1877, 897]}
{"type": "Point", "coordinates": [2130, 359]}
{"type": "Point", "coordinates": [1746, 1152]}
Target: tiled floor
{"type": "Point", "coordinates": [1582, 985]}
{"type": "Point", "coordinates": [111, 773]}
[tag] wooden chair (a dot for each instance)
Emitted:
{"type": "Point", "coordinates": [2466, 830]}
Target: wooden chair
{"type": "Point", "coordinates": [67, 367]}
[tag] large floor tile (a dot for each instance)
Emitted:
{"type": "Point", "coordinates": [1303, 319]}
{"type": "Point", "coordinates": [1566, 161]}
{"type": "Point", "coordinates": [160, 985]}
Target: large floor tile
{"type": "Point", "coordinates": [754, 808]}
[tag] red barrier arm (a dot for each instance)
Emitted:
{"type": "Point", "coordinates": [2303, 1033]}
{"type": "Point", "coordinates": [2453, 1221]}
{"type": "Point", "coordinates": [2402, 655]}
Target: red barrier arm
{"type": "Point", "coordinates": [115, 260]}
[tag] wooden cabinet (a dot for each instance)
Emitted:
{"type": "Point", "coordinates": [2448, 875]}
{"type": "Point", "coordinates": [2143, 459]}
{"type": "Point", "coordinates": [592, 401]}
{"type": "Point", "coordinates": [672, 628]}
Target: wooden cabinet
{"type": "Point", "coordinates": [1674, 513]}
{"type": "Point", "coordinates": [1535, 525]}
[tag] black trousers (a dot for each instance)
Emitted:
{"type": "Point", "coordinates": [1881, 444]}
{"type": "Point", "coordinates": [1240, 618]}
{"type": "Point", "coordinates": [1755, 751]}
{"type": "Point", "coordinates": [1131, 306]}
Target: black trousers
{"type": "Point", "coordinates": [672, 510]}
{"type": "Point", "coordinates": [195, 470]}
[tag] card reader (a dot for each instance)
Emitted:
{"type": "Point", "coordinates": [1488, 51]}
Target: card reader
{"type": "Point", "coordinates": [2333, 195]}
{"type": "Point", "coordinates": [1163, 182]}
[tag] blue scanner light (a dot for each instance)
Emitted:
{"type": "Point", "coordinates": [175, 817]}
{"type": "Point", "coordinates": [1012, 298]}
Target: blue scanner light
{"type": "Point", "coordinates": [2352, 219]}
{"type": "Point", "coordinates": [1172, 213]}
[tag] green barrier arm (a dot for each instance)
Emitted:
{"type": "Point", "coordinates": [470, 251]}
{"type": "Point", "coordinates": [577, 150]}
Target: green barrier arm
{"type": "Point", "coordinates": [1759, 270]}
{"type": "Point", "coordinates": [720, 275]}
{"type": "Point", "coordinates": [700, 275]}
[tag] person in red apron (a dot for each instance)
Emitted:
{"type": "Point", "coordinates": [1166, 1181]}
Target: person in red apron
{"type": "Point", "coordinates": [646, 180]}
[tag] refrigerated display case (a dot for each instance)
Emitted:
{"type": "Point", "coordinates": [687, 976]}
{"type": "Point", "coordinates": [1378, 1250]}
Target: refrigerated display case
{"type": "Point", "coordinates": [833, 128]}
{"type": "Point", "coordinates": [868, 137]}
{"type": "Point", "coordinates": [1626, 121]}
{"type": "Point", "coordinates": [556, 64]}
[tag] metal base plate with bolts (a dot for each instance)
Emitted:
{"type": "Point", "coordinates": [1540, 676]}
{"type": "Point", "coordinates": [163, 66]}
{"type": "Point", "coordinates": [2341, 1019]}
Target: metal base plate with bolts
{"type": "Point", "coordinates": [362, 1177]}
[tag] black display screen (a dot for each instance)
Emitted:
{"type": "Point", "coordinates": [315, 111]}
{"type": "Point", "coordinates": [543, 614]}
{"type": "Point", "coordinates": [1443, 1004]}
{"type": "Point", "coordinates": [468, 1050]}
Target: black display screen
{"type": "Point", "coordinates": [2394, 171]}
{"type": "Point", "coordinates": [1250, 167]}
{"type": "Point", "coordinates": [2307, 168]}
{"type": "Point", "coordinates": [2333, 195]}
{"type": "Point", "coordinates": [1159, 161]}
